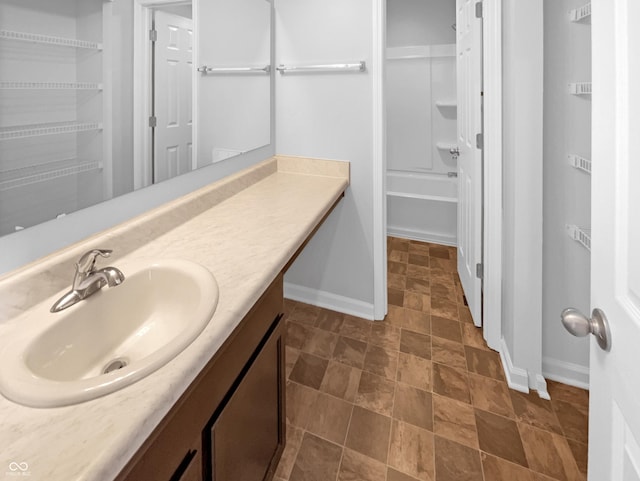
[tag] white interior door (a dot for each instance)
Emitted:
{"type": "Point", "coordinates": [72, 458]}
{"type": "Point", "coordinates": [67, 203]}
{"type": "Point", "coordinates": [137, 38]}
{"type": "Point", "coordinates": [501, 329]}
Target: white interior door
{"type": "Point", "coordinates": [469, 71]}
{"type": "Point", "coordinates": [173, 70]}
{"type": "Point", "coordinates": [614, 412]}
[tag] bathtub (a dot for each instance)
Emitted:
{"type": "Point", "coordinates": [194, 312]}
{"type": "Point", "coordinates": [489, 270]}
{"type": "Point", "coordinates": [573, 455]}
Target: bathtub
{"type": "Point", "coordinates": [422, 207]}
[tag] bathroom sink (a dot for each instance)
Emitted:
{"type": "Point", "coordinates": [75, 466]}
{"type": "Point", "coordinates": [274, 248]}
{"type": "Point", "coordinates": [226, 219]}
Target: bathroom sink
{"type": "Point", "coordinates": [110, 340]}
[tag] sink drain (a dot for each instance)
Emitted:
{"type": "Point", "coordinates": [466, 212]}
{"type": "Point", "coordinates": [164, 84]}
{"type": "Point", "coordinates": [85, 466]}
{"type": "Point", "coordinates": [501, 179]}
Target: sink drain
{"type": "Point", "coordinates": [114, 365]}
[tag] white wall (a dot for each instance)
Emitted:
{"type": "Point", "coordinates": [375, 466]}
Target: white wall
{"type": "Point", "coordinates": [330, 115]}
{"type": "Point", "coordinates": [234, 109]}
{"type": "Point", "coordinates": [567, 129]}
{"type": "Point", "coordinates": [420, 22]}
{"type": "Point", "coordinates": [122, 104]}
{"type": "Point", "coordinates": [522, 195]}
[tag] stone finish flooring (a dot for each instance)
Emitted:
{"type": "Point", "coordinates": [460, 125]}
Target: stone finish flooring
{"type": "Point", "coordinates": [418, 396]}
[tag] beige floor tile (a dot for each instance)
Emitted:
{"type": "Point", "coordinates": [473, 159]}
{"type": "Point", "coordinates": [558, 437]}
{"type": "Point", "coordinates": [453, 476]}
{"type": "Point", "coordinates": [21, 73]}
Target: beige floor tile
{"type": "Point", "coordinates": [412, 451]}
{"type": "Point", "coordinates": [395, 296]}
{"type": "Point", "coordinates": [330, 418]}
{"type": "Point", "coordinates": [398, 256]}
{"type": "Point", "coordinates": [498, 469]}
{"type": "Point", "coordinates": [443, 307]}
{"type": "Point", "coordinates": [305, 314]}
{"type": "Point", "coordinates": [570, 394]}
{"type": "Point", "coordinates": [418, 272]}
{"type": "Point", "coordinates": [299, 398]}
{"type": "Point", "coordinates": [341, 381]}
{"type": "Point", "coordinates": [375, 393]}
{"type": "Point", "coordinates": [369, 433]}
{"type": "Point", "coordinates": [472, 336]}
{"type": "Point", "coordinates": [446, 328]}
{"type": "Point", "coordinates": [291, 356]}
{"type": "Point", "coordinates": [418, 285]}
{"type": "Point", "coordinates": [415, 343]}
{"type": "Point", "coordinates": [456, 462]}
{"type": "Point", "coordinates": [549, 454]}
{"type": "Point", "coordinates": [499, 436]}
{"type": "Point", "coordinates": [413, 406]}
{"type": "Point", "coordinates": [485, 363]}
{"type": "Point", "coordinates": [574, 420]}
{"type": "Point", "coordinates": [381, 361]}
{"type": "Point", "coordinates": [297, 334]}
{"type": "Point", "coordinates": [418, 260]}
{"type": "Point", "coordinates": [320, 343]}
{"type": "Point", "coordinates": [490, 395]}
{"type": "Point", "coordinates": [451, 382]}
{"type": "Point", "coordinates": [309, 370]}
{"type": "Point", "coordinates": [329, 321]}
{"type": "Point", "coordinates": [385, 335]}
{"type": "Point", "coordinates": [294, 439]}
{"type": "Point", "coordinates": [415, 371]}
{"type": "Point", "coordinates": [448, 353]}
{"type": "Point", "coordinates": [356, 328]}
{"type": "Point", "coordinates": [454, 420]}
{"type": "Point", "coordinates": [393, 475]}
{"type": "Point", "coordinates": [532, 409]}
{"type": "Point", "coordinates": [446, 291]}
{"type": "Point", "coordinates": [317, 460]}
{"type": "Point", "coordinates": [396, 281]}
{"type": "Point", "coordinates": [417, 301]}
{"type": "Point", "coordinates": [358, 467]}
{"type": "Point", "coordinates": [350, 351]}
{"type": "Point", "coordinates": [417, 321]}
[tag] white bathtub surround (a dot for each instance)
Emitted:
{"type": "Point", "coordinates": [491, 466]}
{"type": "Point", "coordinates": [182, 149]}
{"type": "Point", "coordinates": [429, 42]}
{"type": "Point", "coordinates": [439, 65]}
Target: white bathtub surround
{"type": "Point", "coordinates": [422, 206]}
{"type": "Point", "coordinates": [422, 114]}
{"type": "Point", "coordinates": [244, 229]}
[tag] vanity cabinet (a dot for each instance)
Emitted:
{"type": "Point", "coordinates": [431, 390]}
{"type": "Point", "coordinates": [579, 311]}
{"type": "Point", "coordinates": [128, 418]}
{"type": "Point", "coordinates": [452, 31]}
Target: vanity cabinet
{"type": "Point", "coordinates": [230, 423]}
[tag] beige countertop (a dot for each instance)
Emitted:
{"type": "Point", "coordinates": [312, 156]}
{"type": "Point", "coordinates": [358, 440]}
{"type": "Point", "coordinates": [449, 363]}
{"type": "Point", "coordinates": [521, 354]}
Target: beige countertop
{"type": "Point", "coordinates": [244, 229]}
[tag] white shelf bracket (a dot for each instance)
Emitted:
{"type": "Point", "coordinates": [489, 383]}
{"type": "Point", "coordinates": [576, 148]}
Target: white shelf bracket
{"type": "Point", "coordinates": [580, 88]}
{"type": "Point", "coordinates": [580, 235]}
{"type": "Point", "coordinates": [580, 13]}
{"type": "Point", "coordinates": [579, 163]}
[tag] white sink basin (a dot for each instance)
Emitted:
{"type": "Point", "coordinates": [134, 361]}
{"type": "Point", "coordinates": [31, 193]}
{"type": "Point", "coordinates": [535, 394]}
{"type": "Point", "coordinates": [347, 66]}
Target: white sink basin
{"type": "Point", "coordinates": [109, 340]}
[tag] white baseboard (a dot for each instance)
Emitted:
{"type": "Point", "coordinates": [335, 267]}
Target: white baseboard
{"type": "Point", "coordinates": [517, 378]}
{"type": "Point", "coordinates": [566, 372]}
{"type": "Point", "coordinates": [541, 387]}
{"type": "Point", "coordinates": [422, 235]}
{"type": "Point", "coordinates": [328, 300]}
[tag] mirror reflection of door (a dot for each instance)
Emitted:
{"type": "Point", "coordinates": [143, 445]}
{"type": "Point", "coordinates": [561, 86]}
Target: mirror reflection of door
{"type": "Point", "coordinates": [171, 119]}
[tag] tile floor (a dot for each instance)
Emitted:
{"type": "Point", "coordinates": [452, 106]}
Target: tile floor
{"type": "Point", "coordinates": [418, 396]}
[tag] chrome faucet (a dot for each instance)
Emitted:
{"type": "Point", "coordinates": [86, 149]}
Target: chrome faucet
{"type": "Point", "coordinates": [88, 280]}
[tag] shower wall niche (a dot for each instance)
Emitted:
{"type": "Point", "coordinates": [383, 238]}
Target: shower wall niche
{"type": "Point", "coordinates": [54, 136]}
{"type": "Point", "coordinates": [421, 120]}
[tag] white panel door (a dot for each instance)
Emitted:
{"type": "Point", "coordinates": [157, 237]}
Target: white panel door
{"type": "Point", "coordinates": [173, 69]}
{"type": "Point", "coordinates": [614, 412]}
{"type": "Point", "coordinates": [469, 68]}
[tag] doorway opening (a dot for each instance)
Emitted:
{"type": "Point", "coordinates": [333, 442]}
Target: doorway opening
{"type": "Point", "coordinates": [434, 131]}
{"type": "Point", "coordinates": [163, 90]}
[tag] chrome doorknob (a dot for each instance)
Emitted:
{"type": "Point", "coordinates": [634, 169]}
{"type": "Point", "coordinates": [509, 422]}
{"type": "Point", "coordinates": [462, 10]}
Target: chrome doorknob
{"type": "Point", "coordinates": [580, 325]}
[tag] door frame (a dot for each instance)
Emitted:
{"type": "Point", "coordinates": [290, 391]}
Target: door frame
{"type": "Point", "coordinates": [492, 173]}
{"type": "Point", "coordinates": [492, 169]}
{"type": "Point", "coordinates": [142, 101]}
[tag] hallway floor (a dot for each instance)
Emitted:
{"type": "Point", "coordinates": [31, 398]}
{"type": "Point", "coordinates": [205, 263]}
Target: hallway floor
{"type": "Point", "coordinates": [418, 396]}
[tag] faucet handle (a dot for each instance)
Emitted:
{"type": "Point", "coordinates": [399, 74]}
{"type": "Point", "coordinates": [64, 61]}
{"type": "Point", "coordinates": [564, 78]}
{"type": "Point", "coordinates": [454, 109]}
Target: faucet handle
{"type": "Point", "coordinates": [88, 260]}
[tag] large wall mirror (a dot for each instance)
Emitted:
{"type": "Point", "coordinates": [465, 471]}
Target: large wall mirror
{"type": "Point", "coordinates": [99, 98]}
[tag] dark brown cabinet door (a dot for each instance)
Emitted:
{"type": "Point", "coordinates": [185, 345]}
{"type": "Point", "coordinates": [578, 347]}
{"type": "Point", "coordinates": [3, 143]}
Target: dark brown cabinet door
{"type": "Point", "coordinates": [191, 467]}
{"type": "Point", "coordinates": [248, 434]}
